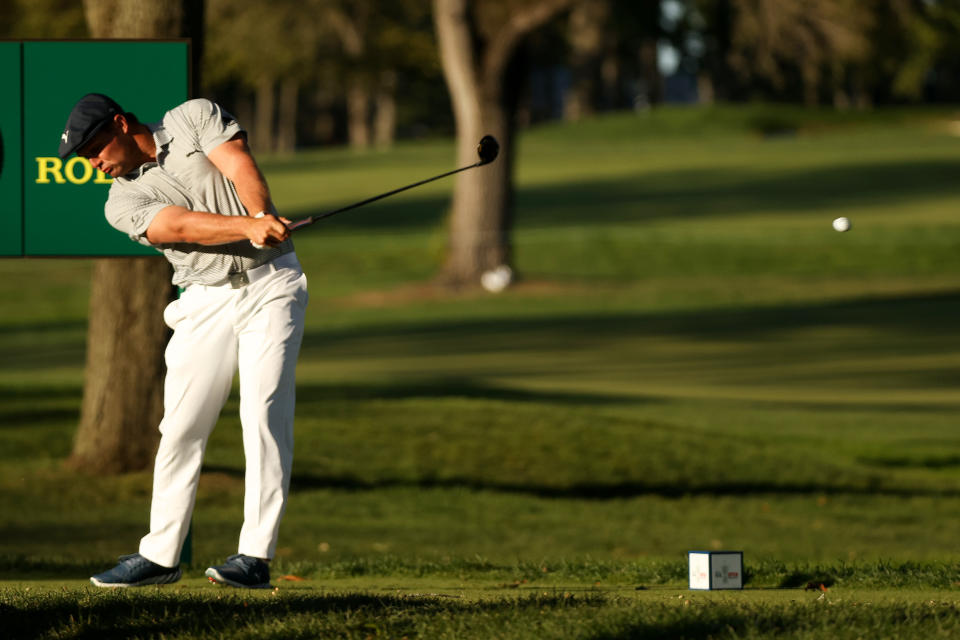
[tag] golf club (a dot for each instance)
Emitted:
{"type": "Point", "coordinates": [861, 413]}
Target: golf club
{"type": "Point", "coordinates": [487, 150]}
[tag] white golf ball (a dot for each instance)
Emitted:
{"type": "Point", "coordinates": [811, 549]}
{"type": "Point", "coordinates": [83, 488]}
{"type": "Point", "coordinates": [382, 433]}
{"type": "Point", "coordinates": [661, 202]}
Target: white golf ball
{"type": "Point", "coordinates": [496, 280]}
{"type": "Point", "coordinates": [842, 224]}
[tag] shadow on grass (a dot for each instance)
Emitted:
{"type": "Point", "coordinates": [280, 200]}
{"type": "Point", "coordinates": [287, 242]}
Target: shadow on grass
{"type": "Point", "coordinates": [686, 193]}
{"type": "Point", "coordinates": [891, 326]}
{"type": "Point", "coordinates": [38, 405]}
{"type": "Point", "coordinates": [39, 568]}
{"type": "Point", "coordinates": [452, 387]}
{"type": "Point", "coordinates": [21, 417]}
{"type": "Point", "coordinates": [170, 612]}
{"type": "Point", "coordinates": [39, 346]}
{"type": "Point", "coordinates": [907, 314]}
{"type": "Point", "coordinates": [702, 193]}
{"type": "Point", "coordinates": [947, 461]}
{"type": "Point", "coordinates": [870, 486]}
{"type": "Point", "coordinates": [803, 618]}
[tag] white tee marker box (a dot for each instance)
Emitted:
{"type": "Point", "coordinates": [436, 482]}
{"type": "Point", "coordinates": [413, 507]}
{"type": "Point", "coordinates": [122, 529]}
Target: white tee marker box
{"type": "Point", "coordinates": [716, 570]}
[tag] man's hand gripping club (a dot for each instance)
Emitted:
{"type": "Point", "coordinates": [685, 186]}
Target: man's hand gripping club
{"type": "Point", "coordinates": [270, 231]}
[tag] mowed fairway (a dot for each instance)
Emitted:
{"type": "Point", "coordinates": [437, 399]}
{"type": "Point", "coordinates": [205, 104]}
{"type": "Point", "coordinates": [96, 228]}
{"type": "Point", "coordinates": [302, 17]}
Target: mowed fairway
{"type": "Point", "coordinates": [691, 359]}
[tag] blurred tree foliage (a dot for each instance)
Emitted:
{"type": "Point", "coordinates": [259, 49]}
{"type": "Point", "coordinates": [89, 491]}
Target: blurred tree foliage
{"type": "Point", "coordinates": [23, 19]}
{"type": "Point", "coordinates": [925, 61]}
{"type": "Point", "coordinates": [366, 71]}
{"type": "Point", "coordinates": [839, 52]}
{"type": "Point", "coordinates": [611, 56]}
{"type": "Point", "coordinates": [813, 42]}
{"type": "Point", "coordinates": [339, 58]}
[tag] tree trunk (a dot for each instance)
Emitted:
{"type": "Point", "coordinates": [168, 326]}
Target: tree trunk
{"type": "Point", "coordinates": [351, 28]}
{"type": "Point", "coordinates": [126, 336]}
{"type": "Point", "coordinates": [652, 77]}
{"type": "Point", "coordinates": [718, 46]}
{"type": "Point", "coordinates": [358, 112]}
{"type": "Point", "coordinates": [586, 38]}
{"type": "Point", "coordinates": [477, 71]}
{"type": "Point", "coordinates": [479, 224]}
{"type": "Point", "coordinates": [266, 109]}
{"type": "Point", "coordinates": [810, 76]}
{"type": "Point", "coordinates": [122, 398]}
{"type": "Point", "coordinates": [385, 119]}
{"type": "Point", "coordinates": [287, 122]}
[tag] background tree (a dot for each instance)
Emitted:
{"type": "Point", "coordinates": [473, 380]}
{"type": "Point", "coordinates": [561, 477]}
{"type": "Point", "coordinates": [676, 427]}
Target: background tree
{"type": "Point", "coordinates": [281, 42]}
{"type": "Point", "coordinates": [33, 19]}
{"type": "Point", "coordinates": [813, 38]}
{"type": "Point", "coordinates": [916, 53]}
{"type": "Point", "coordinates": [336, 75]}
{"type": "Point", "coordinates": [588, 30]}
{"type": "Point", "coordinates": [379, 40]}
{"type": "Point", "coordinates": [716, 79]}
{"type": "Point", "coordinates": [126, 337]}
{"type": "Point", "coordinates": [613, 56]}
{"type": "Point", "coordinates": [479, 42]}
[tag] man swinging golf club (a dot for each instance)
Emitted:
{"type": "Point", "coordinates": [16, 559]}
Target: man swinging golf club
{"type": "Point", "coordinates": [189, 187]}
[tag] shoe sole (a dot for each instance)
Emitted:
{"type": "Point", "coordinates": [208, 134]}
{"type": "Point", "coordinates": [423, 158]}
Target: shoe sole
{"type": "Point", "coordinates": [214, 576]}
{"type": "Point", "coordinates": [158, 580]}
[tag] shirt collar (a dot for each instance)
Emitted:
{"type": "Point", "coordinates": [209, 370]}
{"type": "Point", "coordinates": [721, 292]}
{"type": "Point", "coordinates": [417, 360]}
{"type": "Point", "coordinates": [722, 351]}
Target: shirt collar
{"type": "Point", "coordinates": [161, 138]}
{"type": "Point", "coordinates": [139, 171]}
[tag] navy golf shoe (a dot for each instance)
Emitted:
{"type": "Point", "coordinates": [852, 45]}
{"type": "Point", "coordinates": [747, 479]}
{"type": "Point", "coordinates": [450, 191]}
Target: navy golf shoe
{"type": "Point", "coordinates": [136, 571]}
{"type": "Point", "coordinates": [241, 571]}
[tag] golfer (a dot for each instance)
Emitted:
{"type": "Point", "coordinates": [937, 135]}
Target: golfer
{"type": "Point", "coordinates": [189, 187]}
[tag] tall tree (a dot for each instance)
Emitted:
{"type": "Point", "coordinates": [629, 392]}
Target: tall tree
{"type": "Point", "coordinates": [717, 80]}
{"type": "Point", "coordinates": [479, 42]}
{"type": "Point", "coordinates": [351, 23]}
{"type": "Point", "coordinates": [588, 29]}
{"type": "Point", "coordinates": [265, 81]}
{"type": "Point", "coordinates": [273, 74]}
{"type": "Point", "coordinates": [350, 55]}
{"type": "Point", "coordinates": [918, 43]}
{"type": "Point", "coordinates": [123, 382]}
{"type": "Point", "coordinates": [813, 37]}
{"type": "Point", "coordinates": [379, 39]}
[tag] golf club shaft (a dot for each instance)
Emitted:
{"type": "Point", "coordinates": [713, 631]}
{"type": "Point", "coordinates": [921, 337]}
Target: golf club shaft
{"type": "Point", "coordinates": [305, 222]}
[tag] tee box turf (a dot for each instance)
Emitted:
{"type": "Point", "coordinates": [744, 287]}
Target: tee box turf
{"type": "Point", "coordinates": [716, 570]}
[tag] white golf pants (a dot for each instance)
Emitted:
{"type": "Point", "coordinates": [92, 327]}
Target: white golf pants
{"type": "Point", "coordinates": [256, 329]}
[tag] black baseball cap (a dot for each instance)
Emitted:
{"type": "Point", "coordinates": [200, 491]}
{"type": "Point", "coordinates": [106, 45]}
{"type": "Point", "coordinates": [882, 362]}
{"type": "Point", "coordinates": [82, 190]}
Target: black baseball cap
{"type": "Point", "coordinates": [89, 115]}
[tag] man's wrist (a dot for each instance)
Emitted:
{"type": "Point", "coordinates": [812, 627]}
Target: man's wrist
{"type": "Point", "coordinates": [255, 244]}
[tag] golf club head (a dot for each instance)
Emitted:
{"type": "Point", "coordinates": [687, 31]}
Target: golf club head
{"type": "Point", "coordinates": [488, 149]}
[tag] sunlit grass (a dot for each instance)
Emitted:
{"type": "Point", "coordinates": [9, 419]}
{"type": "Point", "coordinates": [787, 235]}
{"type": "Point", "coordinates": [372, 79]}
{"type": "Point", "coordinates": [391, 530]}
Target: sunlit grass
{"type": "Point", "coordinates": [692, 358]}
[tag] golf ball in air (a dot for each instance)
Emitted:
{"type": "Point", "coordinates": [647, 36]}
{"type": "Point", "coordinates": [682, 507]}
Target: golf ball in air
{"type": "Point", "coordinates": [841, 224]}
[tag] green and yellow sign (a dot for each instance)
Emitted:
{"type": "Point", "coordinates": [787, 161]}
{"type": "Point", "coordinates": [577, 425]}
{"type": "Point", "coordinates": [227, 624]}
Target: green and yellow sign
{"type": "Point", "coordinates": [54, 207]}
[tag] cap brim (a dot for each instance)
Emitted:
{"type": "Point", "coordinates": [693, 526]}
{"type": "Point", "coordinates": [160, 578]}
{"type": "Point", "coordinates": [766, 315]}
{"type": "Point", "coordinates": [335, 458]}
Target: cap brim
{"type": "Point", "coordinates": [67, 149]}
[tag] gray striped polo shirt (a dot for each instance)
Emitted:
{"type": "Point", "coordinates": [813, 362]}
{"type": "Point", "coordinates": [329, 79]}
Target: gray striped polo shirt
{"type": "Point", "coordinates": [183, 176]}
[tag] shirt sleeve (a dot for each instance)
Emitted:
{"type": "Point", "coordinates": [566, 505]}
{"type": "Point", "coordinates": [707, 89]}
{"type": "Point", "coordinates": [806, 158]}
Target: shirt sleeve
{"type": "Point", "coordinates": [209, 124]}
{"type": "Point", "coordinates": [131, 210]}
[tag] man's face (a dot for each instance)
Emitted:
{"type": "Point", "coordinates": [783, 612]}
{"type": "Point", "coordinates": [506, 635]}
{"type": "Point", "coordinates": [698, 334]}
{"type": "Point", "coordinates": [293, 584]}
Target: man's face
{"type": "Point", "coordinates": [112, 150]}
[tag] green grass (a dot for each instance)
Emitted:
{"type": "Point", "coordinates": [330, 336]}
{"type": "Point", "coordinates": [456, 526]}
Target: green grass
{"type": "Point", "coordinates": [188, 611]}
{"type": "Point", "coordinates": [692, 359]}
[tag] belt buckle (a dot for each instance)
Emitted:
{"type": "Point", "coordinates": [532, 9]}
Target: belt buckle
{"type": "Point", "coordinates": [238, 280]}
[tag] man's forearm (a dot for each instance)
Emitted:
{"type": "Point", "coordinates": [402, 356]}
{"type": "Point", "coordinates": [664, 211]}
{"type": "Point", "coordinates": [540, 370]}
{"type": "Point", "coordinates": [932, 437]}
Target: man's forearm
{"type": "Point", "coordinates": [176, 224]}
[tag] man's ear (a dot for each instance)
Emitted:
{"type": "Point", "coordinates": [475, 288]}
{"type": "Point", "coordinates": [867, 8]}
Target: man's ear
{"type": "Point", "coordinates": [120, 123]}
